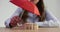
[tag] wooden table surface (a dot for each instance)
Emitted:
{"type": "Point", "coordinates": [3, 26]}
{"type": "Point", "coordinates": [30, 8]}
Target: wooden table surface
{"type": "Point", "coordinates": [39, 30]}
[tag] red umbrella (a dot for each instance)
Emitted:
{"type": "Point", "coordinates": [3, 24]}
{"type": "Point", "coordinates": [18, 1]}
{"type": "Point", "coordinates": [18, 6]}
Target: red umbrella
{"type": "Point", "coordinates": [28, 6]}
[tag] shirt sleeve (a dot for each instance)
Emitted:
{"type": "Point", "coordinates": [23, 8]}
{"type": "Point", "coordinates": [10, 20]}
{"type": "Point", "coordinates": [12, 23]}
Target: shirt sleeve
{"type": "Point", "coordinates": [47, 24]}
{"type": "Point", "coordinates": [16, 13]}
{"type": "Point", "coordinates": [51, 21]}
{"type": "Point", "coordinates": [7, 23]}
{"type": "Point", "coordinates": [50, 16]}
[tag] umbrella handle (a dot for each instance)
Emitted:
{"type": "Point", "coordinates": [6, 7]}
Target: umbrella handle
{"type": "Point", "coordinates": [21, 14]}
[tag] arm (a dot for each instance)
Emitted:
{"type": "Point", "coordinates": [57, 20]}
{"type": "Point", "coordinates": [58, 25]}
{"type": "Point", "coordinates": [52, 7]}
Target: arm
{"type": "Point", "coordinates": [50, 16]}
{"type": "Point", "coordinates": [51, 21]}
{"type": "Point", "coordinates": [17, 12]}
{"type": "Point", "coordinates": [8, 21]}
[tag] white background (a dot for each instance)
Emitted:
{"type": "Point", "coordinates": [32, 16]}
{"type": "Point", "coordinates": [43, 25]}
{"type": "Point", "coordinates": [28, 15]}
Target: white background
{"type": "Point", "coordinates": [7, 9]}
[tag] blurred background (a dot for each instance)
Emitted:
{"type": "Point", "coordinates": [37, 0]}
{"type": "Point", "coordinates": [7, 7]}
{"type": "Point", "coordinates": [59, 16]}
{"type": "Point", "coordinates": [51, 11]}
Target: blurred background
{"type": "Point", "coordinates": [7, 9]}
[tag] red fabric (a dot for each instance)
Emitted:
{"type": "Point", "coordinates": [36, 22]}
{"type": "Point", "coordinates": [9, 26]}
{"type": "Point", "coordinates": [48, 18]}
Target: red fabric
{"type": "Point", "coordinates": [25, 4]}
{"type": "Point", "coordinates": [15, 20]}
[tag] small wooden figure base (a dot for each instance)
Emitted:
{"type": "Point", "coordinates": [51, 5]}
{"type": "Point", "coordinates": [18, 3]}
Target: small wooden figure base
{"type": "Point", "coordinates": [29, 26]}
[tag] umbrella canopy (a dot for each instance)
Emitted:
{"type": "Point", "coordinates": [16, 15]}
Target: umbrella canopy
{"type": "Point", "coordinates": [25, 4]}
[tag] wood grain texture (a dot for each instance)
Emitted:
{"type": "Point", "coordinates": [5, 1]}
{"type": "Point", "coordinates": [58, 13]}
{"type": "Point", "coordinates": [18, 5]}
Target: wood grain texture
{"type": "Point", "coordinates": [39, 30]}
